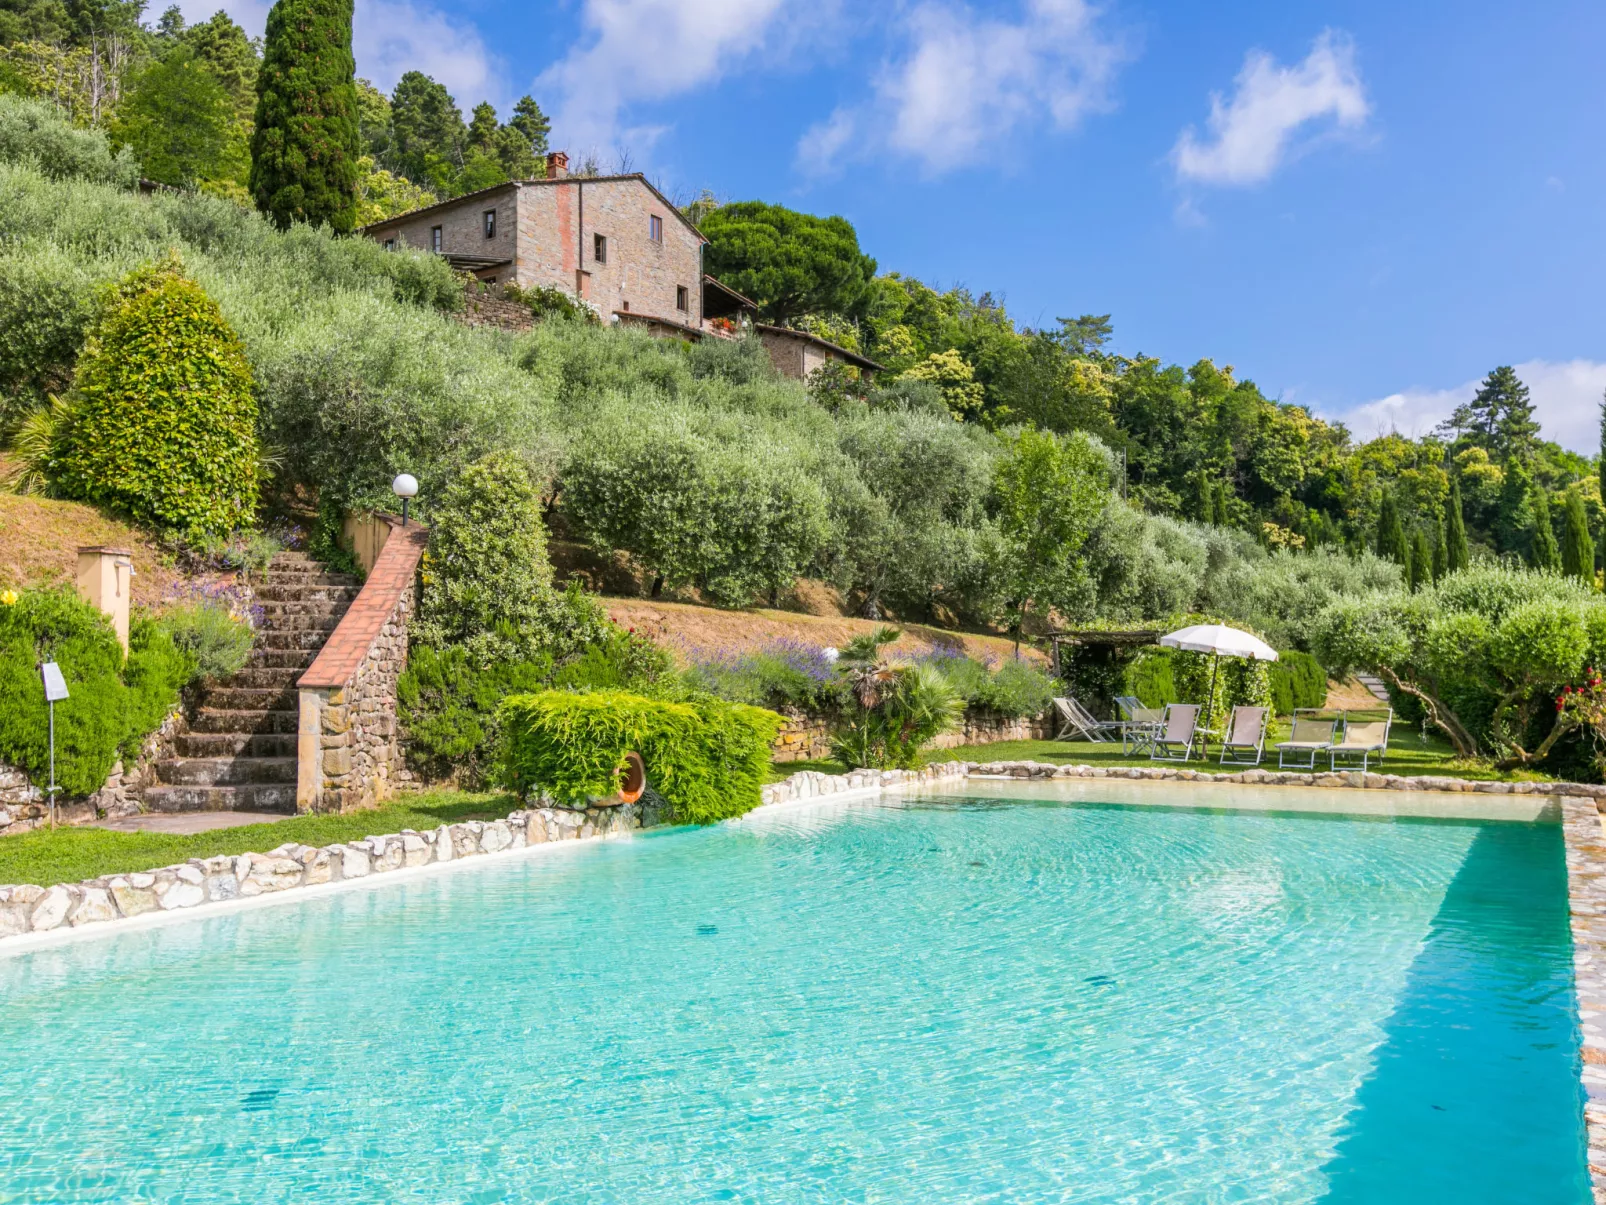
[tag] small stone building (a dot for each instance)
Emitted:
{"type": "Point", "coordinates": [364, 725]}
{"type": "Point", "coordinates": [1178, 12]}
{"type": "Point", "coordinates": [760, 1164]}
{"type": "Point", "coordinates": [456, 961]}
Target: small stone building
{"type": "Point", "coordinates": [613, 241]}
{"type": "Point", "coordinates": [800, 354]}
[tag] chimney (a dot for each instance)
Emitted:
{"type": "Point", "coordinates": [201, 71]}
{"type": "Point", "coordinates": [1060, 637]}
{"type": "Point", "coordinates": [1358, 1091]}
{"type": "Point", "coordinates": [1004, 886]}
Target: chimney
{"type": "Point", "coordinates": [557, 164]}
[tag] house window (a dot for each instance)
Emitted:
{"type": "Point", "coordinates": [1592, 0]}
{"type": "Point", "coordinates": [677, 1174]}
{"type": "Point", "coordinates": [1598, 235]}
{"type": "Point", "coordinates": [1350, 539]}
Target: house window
{"type": "Point", "coordinates": [655, 228]}
{"type": "Point", "coordinates": [682, 297]}
{"type": "Point", "coordinates": [490, 223]}
{"type": "Point", "coordinates": [390, 244]}
{"type": "Point", "coordinates": [599, 247]}
{"type": "Point", "coordinates": [435, 239]}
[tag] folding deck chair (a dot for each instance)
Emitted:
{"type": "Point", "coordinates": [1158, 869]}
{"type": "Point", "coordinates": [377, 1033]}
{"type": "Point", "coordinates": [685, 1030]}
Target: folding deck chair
{"type": "Point", "coordinates": [1312, 736]}
{"type": "Point", "coordinates": [1074, 718]}
{"type": "Point", "coordinates": [1178, 731]}
{"type": "Point", "coordinates": [1245, 742]}
{"type": "Point", "coordinates": [1363, 738]}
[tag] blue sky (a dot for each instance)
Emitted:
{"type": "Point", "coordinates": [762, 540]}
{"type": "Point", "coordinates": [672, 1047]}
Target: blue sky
{"type": "Point", "coordinates": [1362, 206]}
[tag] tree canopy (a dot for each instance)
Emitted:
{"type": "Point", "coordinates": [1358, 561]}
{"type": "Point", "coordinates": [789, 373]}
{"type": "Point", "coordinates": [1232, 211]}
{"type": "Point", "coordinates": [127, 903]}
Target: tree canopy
{"type": "Point", "coordinates": [789, 263]}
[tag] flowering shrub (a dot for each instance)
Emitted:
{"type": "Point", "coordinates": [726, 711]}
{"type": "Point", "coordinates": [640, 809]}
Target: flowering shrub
{"type": "Point", "coordinates": [784, 673]}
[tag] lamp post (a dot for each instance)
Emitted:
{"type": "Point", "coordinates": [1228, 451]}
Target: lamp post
{"type": "Point", "coordinates": [405, 487]}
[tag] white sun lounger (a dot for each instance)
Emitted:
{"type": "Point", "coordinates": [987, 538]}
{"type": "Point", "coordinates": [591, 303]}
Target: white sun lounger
{"type": "Point", "coordinates": [1311, 737]}
{"type": "Point", "coordinates": [1364, 738]}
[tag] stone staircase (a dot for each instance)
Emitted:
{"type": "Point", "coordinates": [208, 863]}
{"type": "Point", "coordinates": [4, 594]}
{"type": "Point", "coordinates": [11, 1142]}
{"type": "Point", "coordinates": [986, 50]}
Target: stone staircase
{"type": "Point", "coordinates": [239, 754]}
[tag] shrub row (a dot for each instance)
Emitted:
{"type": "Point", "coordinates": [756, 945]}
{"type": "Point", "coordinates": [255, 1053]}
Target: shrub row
{"type": "Point", "coordinates": [1157, 676]}
{"type": "Point", "coordinates": [707, 758]}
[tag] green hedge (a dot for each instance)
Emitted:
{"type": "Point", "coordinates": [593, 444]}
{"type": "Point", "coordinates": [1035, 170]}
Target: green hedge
{"type": "Point", "coordinates": [707, 758]}
{"type": "Point", "coordinates": [1297, 681]}
{"type": "Point", "coordinates": [1151, 679]}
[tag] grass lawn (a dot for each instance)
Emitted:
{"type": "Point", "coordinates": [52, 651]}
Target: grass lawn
{"type": "Point", "coordinates": [67, 855]}
{"type": "Point", "coordinates": [1408, 754]}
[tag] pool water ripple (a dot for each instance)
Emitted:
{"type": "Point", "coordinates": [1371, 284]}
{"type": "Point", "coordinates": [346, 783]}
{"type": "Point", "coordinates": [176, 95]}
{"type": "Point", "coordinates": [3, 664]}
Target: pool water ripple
{"type": "Point", "coordinates": [884, 1002]}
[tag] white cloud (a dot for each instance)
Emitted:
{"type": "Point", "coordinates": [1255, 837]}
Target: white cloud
{"type": "Point", "coordinates": [1566, 397]}
{"type": "Point", "coordinates": [968, 82]}
{"type": "Point", "coordinates": [648, 50]}
{"type": "Point", "coordinates": [390, 37]}
{"type": "Point", "coordinates": [1251, 133]}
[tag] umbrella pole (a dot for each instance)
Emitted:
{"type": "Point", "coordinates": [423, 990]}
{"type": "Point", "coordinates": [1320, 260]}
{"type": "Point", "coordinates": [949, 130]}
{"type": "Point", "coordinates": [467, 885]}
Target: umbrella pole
{"type": "Point", "coordinates": [1210, 701]}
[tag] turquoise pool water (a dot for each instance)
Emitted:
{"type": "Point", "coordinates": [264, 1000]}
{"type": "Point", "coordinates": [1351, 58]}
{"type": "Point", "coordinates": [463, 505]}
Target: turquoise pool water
{"type": "Point", "coordinates": [917, 1001]}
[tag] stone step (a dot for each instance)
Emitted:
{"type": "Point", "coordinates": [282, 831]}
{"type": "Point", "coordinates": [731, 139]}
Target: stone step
{"type": "Point", "coordinates": [310, 578]}
{"type": "Point", "coordinates": [296, 659]}
{"type": "Point", "coordinates": [236, 744]}
{"type": "Point", "coordinates": [248, 698]}
{"type": "Point", "coordinates": [236, 721]}
{"type": "Point", "coordinates": [279, 798]}
{"type": "Point", "coordinates": [273, 612]}
{"type": "Point", "coordinates": [263, 678]}
{"type": "Point", "coordinates": [226, 771]}
{"type": "Point", "coordinates": [290, 640]}
{"type": "Point", "coordinates": [304, 593]}
{"type": "Point", "coordinates": [322, 624]}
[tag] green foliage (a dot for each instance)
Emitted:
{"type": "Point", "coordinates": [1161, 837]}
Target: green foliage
{"type": "Point", "coordinates": [1499, 418]}
{"type": "Point", "coordinates": [617, 660]}
{"type": "Point", "coordinates": [427, 132]}
{"type": "Point", "coordinates": [1545, 554]}
{"type": "Point", "coordinates": [1577, 545]}
{"type": "Point", "coordinates": [231, 58]}
{"type": "Point", "coordinates": [892, 713]}
{"type": "Point", "coordinates": [547, 302]}
{"type": "Point", "coordinates": [1456, 555]}
{"type": "Point", "coordinates": [1514, 524]}
{"type": "Point", "coordinates": [34, 132]}
{"type": "Point", "coordinates": [790, 263]}
{"type": "Point", "coordinates": [164, 416]}
{"type": "Point", "coordinates": [1016, 689]}
{"type": "Point", "coordinates": [1047, 493]}
{"type": "Point", "coordinates": [486, 575]}
{"type": "Point", "coordinates": [1297, 681]}
{"type": "Point", "coordinates": [1150, 678]}
{"type": "Point", "coordinates": [1421, 562]}
{"type": "Point", "coordinates": [45, 307]}
{"type": "Point", "coordinates": [214, 643]}
{"type": "Point", "coordinates": [155, 671]}
{"type": "Point", "coordinates": [182, 124]}
{"type": "Point", "coordinates": [706, 758]}
{"type": "Point", "coordinates": [55, 625]}
{"type": "Point", "coordinates": [447, 704]}
{"type": "Point", "coordinates": [305, 147]}
{"type": "Point", "coordinates": [1391, 543]}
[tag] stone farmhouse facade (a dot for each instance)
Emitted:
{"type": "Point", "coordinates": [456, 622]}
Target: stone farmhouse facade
{"type": "Point", "coordinates": [614, 242]}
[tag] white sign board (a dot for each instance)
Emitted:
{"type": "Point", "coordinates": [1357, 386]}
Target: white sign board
{"type": "Point", "coordinates": [55, 684]}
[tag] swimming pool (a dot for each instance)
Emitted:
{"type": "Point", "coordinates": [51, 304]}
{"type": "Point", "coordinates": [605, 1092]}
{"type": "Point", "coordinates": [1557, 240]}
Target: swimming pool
{"type": "Point", "coordinates": [942, 998]}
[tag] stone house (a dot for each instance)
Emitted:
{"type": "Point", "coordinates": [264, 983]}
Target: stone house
{"type": "Point", "coordinates": [613, 241]}
{"type": "Point", "coordinates": [799, 354]}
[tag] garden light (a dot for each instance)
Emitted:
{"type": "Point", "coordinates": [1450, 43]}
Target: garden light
{"type": "Point", "coordinates": [405, 487]}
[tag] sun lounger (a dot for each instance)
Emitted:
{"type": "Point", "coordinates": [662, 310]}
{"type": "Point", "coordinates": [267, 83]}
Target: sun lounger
{"type": "Point", "coordinates": [1366, 735]}
{"type": "Point", "coordinates": [1138, 724]}
{"type": "Point", "coordinates": [1178, 731]}
{"type": "Point", "coordinates": [1246, 737]}
{"type": "Point", "coordinates": [1076, 719]}
{"type": "Point", "coordinates": [1312, 736]}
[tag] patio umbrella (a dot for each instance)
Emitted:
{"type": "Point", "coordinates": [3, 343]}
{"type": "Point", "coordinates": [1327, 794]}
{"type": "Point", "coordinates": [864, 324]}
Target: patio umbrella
{"type": "Point", "coordinates": [1219, 641]}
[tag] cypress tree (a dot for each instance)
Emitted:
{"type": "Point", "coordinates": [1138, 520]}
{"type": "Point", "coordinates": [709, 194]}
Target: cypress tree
{"type": "Point", "coordinates": [1600, 465]}
{"type": "Point", "coordinates": [305, 146]}
{"type": "Point", "coordinates": [1577, 546]}
{"type": "Point", "coordinates": [1205, 499]}
{"type": "Point", "coordinates": [1222, 517]}
{"type": "Point", "coordinates": [1456, 557]}
{"type": "Point", "coordinates": [1391, 545]}
{"type": "Point", "coordinates": [1441, 553]}
{"type": "Point", "coordinates": [1546, 555]}
{"type": "Point", "coordinates": [1421, 568]}
{"type": "Point", "coordinates": [1514, 522]}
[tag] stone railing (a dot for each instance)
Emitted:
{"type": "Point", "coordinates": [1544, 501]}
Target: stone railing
{"type": "Point", "coordinates": [346, 749]}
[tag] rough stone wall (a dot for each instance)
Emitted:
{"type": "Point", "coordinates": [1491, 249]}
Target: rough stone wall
{"type": "Point", "coordinates": [492, 309]}
{"type": "Point", "coordinates": [23, 806]}
{"type": "Point", "coordinates": [347, 750]}
{"type": "Point", "coordinates": [462, 229]}
{"type": "Point", "coordinates": [806, 738]}
{"type": "Point", "coordinates": [639, 276]}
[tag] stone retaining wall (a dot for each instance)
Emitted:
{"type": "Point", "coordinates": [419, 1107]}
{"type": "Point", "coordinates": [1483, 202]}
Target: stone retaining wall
{"type": "Point", "coordinates": [32, 909]}
{"type": "Point", "coordinates": [23, 806]}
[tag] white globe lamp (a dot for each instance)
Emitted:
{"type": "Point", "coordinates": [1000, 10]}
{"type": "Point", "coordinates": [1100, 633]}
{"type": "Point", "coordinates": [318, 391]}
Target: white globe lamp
{"type": "Point", "coordinates": [405, 487]}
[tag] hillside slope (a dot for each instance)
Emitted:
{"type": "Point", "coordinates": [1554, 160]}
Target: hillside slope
{"type": "Point", "coordinates": [40, 538]}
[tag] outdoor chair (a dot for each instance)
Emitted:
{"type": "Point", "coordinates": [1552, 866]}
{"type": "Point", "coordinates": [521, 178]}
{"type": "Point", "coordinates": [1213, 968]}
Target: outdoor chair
{"type": "Point", "coordinates": [1074, 719]}
{"type": "Point", "coordinates": [1178, 730]}
{"type": "Point", "coordinates": [1138, 724]}
{"type": "Point", "coordinates": [1245, 742]}
{"type": "Point", "coordinates": [1312, 736]}
{"type": "Point", "coordinates": [1364, 738]}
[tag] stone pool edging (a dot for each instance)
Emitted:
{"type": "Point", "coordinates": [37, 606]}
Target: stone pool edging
{"type": "Point", "coordinates": [28, 909]}
{"type": "Point", "coordinates": [1585, 838]}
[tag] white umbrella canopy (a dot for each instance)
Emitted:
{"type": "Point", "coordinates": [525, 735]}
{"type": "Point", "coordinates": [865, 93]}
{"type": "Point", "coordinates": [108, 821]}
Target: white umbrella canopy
{"type": "Point", "coordinates": [1219, 639]}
